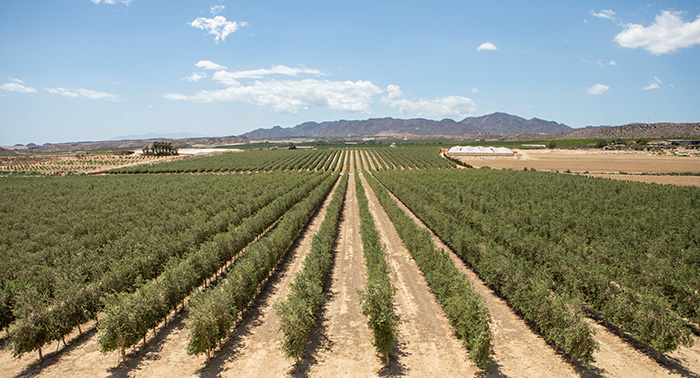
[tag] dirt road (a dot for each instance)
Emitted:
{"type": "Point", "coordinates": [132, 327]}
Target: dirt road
{"type": "Point", "coordinates": [343, 342]}
{"type": "Point", "coordinates": [428, 345]}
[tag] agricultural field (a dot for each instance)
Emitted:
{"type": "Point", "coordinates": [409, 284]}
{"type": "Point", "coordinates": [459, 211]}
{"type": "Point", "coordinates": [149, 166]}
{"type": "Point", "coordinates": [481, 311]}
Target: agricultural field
{"type": "Point", "coordinates": [678, 167]}
{"type": "Point", "coordinates": [73, 163]}
{"type": "Point", "coordinates": [364, 261]}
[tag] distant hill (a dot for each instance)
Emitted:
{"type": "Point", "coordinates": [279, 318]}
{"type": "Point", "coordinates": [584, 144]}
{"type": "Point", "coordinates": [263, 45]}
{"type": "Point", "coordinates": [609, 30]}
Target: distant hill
{"type": "Point", "coordinates": [491, 124]}
{"type": "Point", "coordinates": [5, 151]}
{"type": "Point", "coordinates": [636, 130]}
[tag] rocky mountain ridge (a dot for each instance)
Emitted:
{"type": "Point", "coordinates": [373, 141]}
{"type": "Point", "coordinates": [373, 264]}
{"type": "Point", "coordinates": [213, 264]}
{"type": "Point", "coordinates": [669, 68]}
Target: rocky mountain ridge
{"type": "Point", "coordinates": [491, 124]}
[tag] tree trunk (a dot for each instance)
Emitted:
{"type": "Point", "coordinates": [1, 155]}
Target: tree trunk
{"type": "Point", "coordinates": [41, 356]}
{"type": "Point", "coordinates": [80, 331]}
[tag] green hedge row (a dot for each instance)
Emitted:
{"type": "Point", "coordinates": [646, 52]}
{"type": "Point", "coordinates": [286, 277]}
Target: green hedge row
{"type": "Point", "coordinates": [297, 313]}
{"type": "Point", "coordinates": [378, 296]}
{"type": "Point", "coordinates": [214, 312]}
{"type": "Point", "coordinates": [129, 316]}
{"type": "Point", "coordinates": [463, 306]}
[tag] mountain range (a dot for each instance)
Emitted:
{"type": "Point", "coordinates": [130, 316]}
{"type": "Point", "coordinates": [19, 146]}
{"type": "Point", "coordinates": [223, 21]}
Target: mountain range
{"type": "Point", "coordinates": [492, 124]}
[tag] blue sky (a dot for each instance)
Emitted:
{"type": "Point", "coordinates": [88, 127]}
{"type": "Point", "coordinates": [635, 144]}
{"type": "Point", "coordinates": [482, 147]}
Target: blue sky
{"type": "Point", "coordinates": [97, 69]}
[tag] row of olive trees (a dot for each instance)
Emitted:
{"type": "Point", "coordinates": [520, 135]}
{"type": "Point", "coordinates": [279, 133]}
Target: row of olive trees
{"type": "Point", "coordinates": [53, 284]}
{"type": "Point", "coordinates": [378, 295]}
{"type": "Point", "coordinates": [128, 316]}
{"type": "Point", "coordinates": [297, 313]}
{"type": "Point", "coordinates": [213, 313]}
{"type": "Point", "coordinates": [462, 304]}
{"type": "Point", "coordinates": [526, 285]}
{"type": "Point", "coordinates": [540, 241]}
{"type": "Point", "coordinates": [246, 161]}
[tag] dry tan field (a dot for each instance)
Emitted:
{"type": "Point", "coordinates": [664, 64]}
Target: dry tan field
{"type": "Point", "coordinates": [635, 165]}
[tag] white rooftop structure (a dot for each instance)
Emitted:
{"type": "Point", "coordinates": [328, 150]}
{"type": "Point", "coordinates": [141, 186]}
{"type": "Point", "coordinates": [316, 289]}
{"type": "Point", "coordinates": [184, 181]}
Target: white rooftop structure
{"type": "Point", "coordinates": [479, 150]}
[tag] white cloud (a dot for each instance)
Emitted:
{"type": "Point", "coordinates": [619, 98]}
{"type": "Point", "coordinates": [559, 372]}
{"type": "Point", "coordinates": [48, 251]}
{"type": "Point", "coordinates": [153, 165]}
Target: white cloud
{"type": "Point", "coordinates": [226, 78]}
{"type": "Point", "coordinates": [653, 85]}
{"type": "Point", "coordinates": [393, 91]}
{"type": "Point", "coordinates": [275, 70]}
{"type": "Point", "coordinates": [613, 62]}
{"type": "Point", "coordinates": [231, 78]}
{"type": "Point", "coordinates": [487, 46]}
{"type": "Point", "coordinates": [209, 65]}
{"type": "Point", "coordinates": [288, 96]}
{"type": "Point", "coordinates": [125, 2]}
{"type": "Point", "coordinates": [598, 89]}
{"type": "Point", "coordinates": [216, 9]}
{"type": "Point", "coordinates": [82, 92]}
{"type": "Point", "coordinates": [17, 86]}
{"type": "Point", "coordinates": [196, 76]}
{"type": "Point", "coordinates": [667, 34]}
{"type": "Point", "coordinates": [475, 90]}
{"type": "Point", "coordinates": [441, 107]}
{"type": "Point", "coordinates": [605, 13]}
{"type": "Point", "coordinates": [217, 26]}
{"type": "Point", "coordinates": [62, 92]}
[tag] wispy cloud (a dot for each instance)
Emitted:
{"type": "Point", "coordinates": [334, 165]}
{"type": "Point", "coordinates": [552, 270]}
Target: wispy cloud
{"type": "Point", "coordinates": [605, 13]}
{"type": "Point", "coordinates": [289, 96]}
{"type": "Point", "coordinates": [653, 85]}
{"type": "Point", "coordinates": [597, 89]}
{"type": "Point", "coordinates": [196, 76]}
{"type": "Point", "coordinates": [209, 65]}
{"type": "Point", "coordinates": [475, 90]}
{"type": "Point", "coordinates": [82, 92]}
{"type": "Point", "coordinates": [125, 2]}
{"type": "Point", "coordinates": [612, 62]}
{"type": "Point", "coordinates": [216, 9]}
{"type": "Point", "coordinates": [667, 34]}
{"type": "Point", "coordinates": [441, 107]}
{"type": "Point", "coordinates": [218, 26]}
{"type": "Point", "coordinates": [17, 85]}
{"type": "Point", "coordinates": [232, 78]}
{"type": "Point", "coordinates": [275, 70]}
{"type": "Point", "coordinates": [487, 46]}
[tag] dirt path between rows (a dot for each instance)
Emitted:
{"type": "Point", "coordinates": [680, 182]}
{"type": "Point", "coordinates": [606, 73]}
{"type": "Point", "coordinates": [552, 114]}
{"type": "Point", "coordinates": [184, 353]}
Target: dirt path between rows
{"type": "Point", "coordinates": [253, 350]}
{"type": "Point", "coordinates": [342, 342]}
{"type": "Point", "coordinates": [387, 162]}
{"type": "Point", "coordinates": [521, 352]}
{"type": "Point", "coordinates": [368, 160]}
{"type": "Point", "coordinates": [428, 345]}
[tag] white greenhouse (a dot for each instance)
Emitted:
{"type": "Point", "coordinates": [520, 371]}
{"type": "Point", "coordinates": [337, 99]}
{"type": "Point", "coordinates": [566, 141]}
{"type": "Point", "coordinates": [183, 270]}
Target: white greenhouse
{"type": "Point", "coordinates": [479, 151]}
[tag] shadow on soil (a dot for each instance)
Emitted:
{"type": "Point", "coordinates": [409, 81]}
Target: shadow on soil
{"type": "Point", "coordinates": [151, 349]}
{"type": "Point", "coordinates": [38, 366]}
{"type": "Point", "coordinates": [318, 342]}
{"type": "Point", "coordinates": [251, 318]}
{"type": "Point", "coordinates": [230, 350]}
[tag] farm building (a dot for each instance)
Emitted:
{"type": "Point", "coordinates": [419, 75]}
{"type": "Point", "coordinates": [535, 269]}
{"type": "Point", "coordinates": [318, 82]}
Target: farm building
{"type": "Point", "coordinates": [479, 151]}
